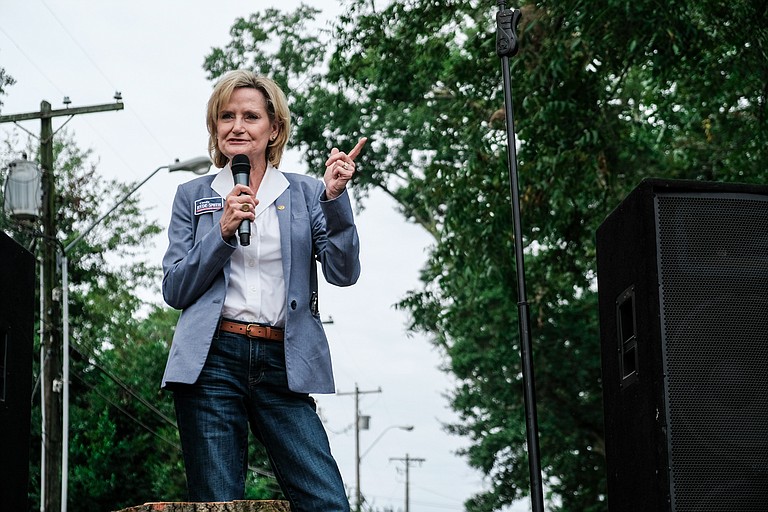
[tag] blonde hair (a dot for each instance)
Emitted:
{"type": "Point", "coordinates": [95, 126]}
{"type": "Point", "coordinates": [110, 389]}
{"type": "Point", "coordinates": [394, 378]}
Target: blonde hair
{"type": "Point", "coordinates": [277, 110]}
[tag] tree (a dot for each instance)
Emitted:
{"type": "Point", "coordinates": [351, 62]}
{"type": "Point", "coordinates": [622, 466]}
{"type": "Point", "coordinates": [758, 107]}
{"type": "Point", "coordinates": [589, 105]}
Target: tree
{"type": "Point", "coordinates": [5, 81]}
{"type": "Point", "coordinates": [124, 447]}
{"type": "Point", "coordinates": [103, 294]}
{"type": "Point", "coordinates": [605, 93]}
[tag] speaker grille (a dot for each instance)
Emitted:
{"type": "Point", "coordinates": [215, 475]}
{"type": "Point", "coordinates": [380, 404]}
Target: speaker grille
{"type": "Point", "coordinates": [713, 263]}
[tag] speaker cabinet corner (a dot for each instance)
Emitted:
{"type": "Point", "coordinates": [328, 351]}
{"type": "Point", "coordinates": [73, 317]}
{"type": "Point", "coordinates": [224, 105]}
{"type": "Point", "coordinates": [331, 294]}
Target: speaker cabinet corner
{"type": "Point", "coordinates": [682, 278]}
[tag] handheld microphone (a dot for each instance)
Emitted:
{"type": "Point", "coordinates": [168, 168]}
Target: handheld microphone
{"type": "Point", "coordinates": [241, 171]}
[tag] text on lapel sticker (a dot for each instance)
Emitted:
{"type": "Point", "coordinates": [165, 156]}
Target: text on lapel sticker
{"type": "Point", "coordinates": [208, 204]}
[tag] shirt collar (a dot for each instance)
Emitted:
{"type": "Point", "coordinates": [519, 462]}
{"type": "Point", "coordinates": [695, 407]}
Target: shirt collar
{"type": "Point", "coordinates": [273, 184]}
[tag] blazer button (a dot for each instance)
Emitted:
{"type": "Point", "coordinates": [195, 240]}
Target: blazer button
{"type": "Point", "coordinates": [293, 304]}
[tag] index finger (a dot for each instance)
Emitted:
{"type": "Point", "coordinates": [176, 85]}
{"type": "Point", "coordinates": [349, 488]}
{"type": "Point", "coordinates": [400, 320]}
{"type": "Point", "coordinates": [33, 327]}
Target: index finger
{"type": "Point", "coordinates": [240, 189]}
{"type": "Point", "coordinates": [359, 147]}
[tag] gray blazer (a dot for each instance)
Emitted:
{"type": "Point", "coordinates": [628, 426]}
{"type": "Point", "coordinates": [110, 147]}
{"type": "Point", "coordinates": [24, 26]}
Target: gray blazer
{"type": "Point", "coordinates": [196, 270]}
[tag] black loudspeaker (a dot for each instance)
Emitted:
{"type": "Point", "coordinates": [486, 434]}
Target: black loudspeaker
{"type": "Point", "coordinates": [683, 289]}
{"type": "Point", "coordinates": [17, 312]}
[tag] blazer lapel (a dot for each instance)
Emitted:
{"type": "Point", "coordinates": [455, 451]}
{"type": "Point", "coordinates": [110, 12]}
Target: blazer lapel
{"type": "Point", "coordinates": [283, 205]}
{"type": "Point", "coordinates": [216, 218]}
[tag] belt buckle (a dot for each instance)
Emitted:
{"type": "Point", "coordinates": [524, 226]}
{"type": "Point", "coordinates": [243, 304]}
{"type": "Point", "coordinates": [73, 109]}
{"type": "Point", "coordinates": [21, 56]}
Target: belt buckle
{"type": "Point", "coordinates": [257, 326]}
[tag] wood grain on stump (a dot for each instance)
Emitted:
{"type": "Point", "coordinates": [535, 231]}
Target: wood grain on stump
{"type": "Point", "coordinates": [225, 506]}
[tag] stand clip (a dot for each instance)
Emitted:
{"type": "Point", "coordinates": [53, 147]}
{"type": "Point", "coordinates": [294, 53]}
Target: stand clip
{"type": "Point", "coordinates": [506, 32]}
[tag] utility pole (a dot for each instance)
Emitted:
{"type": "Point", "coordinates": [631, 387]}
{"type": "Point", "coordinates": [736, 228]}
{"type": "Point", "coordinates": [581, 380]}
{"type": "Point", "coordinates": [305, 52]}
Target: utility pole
{"type": "Point", "coordinates": [357, 393]}
{"type": "Point", "coordinates": [50, 499]}
{"type": "Point", "coordinates": [408, 461]}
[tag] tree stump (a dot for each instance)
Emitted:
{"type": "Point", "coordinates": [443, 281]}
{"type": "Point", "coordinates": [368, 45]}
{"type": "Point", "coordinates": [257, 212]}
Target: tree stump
{"type": "Point", "coordinates": [225, 506]}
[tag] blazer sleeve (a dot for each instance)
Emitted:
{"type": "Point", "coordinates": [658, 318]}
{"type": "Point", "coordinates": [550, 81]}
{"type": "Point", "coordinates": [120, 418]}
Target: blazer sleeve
{"type": "Point", "coordinates": [337, 245]}
{"type": "Point", "coordinates": [196, 252]}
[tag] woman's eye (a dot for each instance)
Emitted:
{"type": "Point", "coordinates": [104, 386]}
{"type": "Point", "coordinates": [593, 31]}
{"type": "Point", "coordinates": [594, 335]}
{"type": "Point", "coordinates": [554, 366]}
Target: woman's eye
{"type": "Point", "coordinates": [226, 115]}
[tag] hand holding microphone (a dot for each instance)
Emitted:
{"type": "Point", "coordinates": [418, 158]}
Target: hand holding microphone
{"type": "Point", "coordinates": [240, 207]}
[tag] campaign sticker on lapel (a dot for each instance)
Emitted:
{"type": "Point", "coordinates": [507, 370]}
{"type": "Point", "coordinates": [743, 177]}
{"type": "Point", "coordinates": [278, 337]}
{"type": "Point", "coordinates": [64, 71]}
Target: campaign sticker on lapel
{"type": "Point", "coordinates": [208, 204]}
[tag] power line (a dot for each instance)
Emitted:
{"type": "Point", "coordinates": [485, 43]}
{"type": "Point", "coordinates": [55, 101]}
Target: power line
{"type": "Point", "coordinates": [100, 366]}
{"type": "Point", "coordinates": [53, 496]}
{"type": "Point", "coordinates": [358, 418]}
{"type": "Point", "coordinates": [87, 56]}
{"type": "Point", "coordinates": [30, 60]}
{"type": "Point", "coordinates": [96, 364]}
{"type": "Point", "coordinates": [95, 131]}
{"type": "Point", "coordinates": [175, 445]}
{"type": "Point", "coordinates": [408, 459]}
{"type": "Point", "coordinates": [106, 78]}
{"type": "Point", "coordinates": [121, 409]}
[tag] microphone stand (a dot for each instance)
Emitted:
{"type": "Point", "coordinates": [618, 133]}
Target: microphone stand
{"type": "Point", "coordinates": [506, 46]}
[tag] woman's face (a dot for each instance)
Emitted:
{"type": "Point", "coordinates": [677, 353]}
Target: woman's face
{"type": "Point", "coordinates": [243, 126]}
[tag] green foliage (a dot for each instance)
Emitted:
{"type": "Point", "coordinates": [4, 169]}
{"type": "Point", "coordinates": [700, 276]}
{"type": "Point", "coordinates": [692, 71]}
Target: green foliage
{"type": "Point", "coordinates": [605, 93]}
{"type": "Point", "coordinates": [5, 81]}
{"type": "Point", "coordinates": [123, 434]}
{"type": "Point", "coordinates": [111, 462]}
{"type": "Point", "coordinates": [124, 447]}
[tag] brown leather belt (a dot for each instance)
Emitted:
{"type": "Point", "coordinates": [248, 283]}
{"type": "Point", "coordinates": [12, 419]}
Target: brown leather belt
{"type": "Point", "coordinates": [252, 330]}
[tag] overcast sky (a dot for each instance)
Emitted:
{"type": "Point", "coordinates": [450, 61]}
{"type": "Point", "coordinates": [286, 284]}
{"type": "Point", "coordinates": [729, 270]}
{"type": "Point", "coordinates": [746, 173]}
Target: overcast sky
{"type": "Point", "coordinates": [152, 52]}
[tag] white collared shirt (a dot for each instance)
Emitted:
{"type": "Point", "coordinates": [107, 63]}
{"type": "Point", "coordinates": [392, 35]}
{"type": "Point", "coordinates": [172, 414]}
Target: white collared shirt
{"type": "Point", "coordinates": [256, 291]}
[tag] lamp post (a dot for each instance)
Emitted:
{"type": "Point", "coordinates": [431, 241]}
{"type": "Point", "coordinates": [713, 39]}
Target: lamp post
{"type": "Point", "coordinates": [198, 165]}
{"type": "Point", "coordinates": [50, 339]}
{"type": "Point", "coordinates": [359, 458]}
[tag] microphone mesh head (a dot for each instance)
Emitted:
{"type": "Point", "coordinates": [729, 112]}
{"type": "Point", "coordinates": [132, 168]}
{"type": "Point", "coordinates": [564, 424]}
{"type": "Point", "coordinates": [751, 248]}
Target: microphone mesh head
{"type": "Point", "coordinates": [241, 164]}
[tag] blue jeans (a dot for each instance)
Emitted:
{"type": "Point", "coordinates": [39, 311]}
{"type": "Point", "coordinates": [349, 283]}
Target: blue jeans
{"type": "Point", "coordinates": [244, 383]}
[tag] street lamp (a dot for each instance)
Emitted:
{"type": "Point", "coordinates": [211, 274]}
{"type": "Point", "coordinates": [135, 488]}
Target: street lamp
{"type": "Point", "coordinates": [198, 165]}
{"type": "Point", "coordinates": [407, 428]}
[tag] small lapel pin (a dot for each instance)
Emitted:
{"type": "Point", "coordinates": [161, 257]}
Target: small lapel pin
{"type": "Point", "coordinates": [281, 207]}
